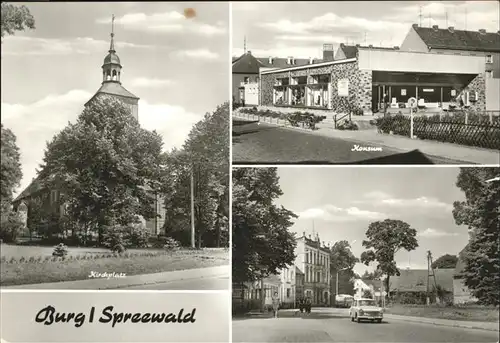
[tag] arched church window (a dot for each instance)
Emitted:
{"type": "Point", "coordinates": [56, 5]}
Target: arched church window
{"type": "Point", "coordinates": [108, 75]}
{"type": "Point", "coordinates": [114, 75]}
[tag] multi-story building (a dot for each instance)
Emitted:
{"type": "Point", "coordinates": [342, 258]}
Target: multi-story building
{"type": "Point", "coordinates": [313, 260]}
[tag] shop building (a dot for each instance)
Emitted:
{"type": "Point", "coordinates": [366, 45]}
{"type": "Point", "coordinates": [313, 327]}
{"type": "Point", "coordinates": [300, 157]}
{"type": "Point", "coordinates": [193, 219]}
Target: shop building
{"type": "Point", "coordinates": [435, 78]}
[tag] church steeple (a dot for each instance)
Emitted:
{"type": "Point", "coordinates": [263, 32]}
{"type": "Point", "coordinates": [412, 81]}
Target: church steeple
{"type": "Point", "coordinates": [111, 69]}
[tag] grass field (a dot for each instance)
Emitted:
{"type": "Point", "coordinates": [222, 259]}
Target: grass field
{"type": "Point", "coordinates": [71, 269]}
{"type": "Point", "coordinates": [467, 313]}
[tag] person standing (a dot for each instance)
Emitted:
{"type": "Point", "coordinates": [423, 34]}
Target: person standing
{"type": "Point", "coordinates": [276, 304]}
{"type": "Point", "coordinates": [385, 100]}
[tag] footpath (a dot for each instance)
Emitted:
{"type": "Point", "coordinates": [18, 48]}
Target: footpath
{"type": "Point", "coordinates": [489, 326]}
{"type": "Point", "coordinates": [133, 280]}
{"type": "Point", "coordinates": [455, 152]}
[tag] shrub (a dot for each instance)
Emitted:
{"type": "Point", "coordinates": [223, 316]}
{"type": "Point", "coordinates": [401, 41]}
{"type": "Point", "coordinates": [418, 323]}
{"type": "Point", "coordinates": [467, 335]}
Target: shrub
{"type": "Point", "coordinates": [60, 250]}
{"type": "Point", "coordinates": [348, 125]}
{"type": "Point", "coordinates": [115, 238]}
{"type": "Point", "coordinates": [171, 244]}
{"type": "Point", "coordinates": [138, 236]}
{"type": "Point", "coordinates": [22, 260]}
{"type": "Point", "coordinates": [10, 227]}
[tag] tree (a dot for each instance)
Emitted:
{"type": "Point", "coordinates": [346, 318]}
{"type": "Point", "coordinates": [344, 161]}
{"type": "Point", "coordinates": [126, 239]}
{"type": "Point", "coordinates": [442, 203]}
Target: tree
{"type": "Point", "coordinates": [105, 165]}
{"type": "Point", "coordinates": [262, 244]}
{"type": "Point", "coordinates": [10, 169]}
{"type": "Point", "coordinates": [445, 261]}
{"type": "Point", "coordinates": [205, 154]}
{"type": "Point", "coordinates": [385, 239]}
{"type": "Point", "coordinates": [376, 274]}
{"type": "Point", "coordinates": [481, 213]}
{"type": "Point", "coordinates": [15, 18]}
{"type": "Point", "coordinates": [342, 262]}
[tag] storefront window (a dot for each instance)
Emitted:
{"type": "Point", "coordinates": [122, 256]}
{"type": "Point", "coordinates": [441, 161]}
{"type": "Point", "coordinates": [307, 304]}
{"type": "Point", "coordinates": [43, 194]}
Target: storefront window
{"type": "Point", "coordinates": [429, 94]}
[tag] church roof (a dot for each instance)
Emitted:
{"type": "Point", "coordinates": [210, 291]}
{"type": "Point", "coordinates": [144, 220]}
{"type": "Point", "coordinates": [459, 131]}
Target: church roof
{"type": "Point", "coordinates": [113, 88]}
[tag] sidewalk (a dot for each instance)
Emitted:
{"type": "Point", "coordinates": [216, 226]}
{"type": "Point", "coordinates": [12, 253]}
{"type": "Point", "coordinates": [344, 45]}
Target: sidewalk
{"type": "Point", "coordinates": [489, 326]}
{"type": "Point", "coordinates": [464, 154]}
{"type": "Point", "coordinates": [133, 280]}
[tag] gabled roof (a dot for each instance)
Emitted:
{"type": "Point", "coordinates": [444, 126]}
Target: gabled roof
{"type": "Point", "coordinates": [113, 88]}
{"type": "Point", "coordinates": [436, 38]}
{"type": "Point", "coordinates": [298, 271]}
{"type": "Point", "coordinates": [415, 280]}
{"type": "Point", "coordinates": [34, 187]}
{"type": "Point", "coordinates": [246, 64]}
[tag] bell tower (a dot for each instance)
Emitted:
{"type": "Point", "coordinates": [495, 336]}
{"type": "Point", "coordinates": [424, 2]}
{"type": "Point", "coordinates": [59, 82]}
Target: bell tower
{"type": "Point", "coordinates": [111, 69]}
{"type": "Point", "coordinates": [111, 79]}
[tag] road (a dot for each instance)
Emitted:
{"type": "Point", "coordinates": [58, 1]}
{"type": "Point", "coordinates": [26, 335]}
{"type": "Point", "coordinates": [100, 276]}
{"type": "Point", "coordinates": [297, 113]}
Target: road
{"type": "Point", "coordinates": [202, 283]}
{"type": "Point", "coordinates": [334, 325]}
{"type": "Point", "coordinates": [269, 144]}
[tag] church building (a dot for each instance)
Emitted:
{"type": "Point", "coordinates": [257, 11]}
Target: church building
{"type": "Point", "coordinates": [50, 198]}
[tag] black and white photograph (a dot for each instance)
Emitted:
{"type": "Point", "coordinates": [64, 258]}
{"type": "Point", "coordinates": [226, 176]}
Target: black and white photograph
{"type": "Point", "coordinates": [366, 82]}
{"type": "Point", "coordinates": [115, 150]}
{"type": "Point", "coordinates": [365, 254]}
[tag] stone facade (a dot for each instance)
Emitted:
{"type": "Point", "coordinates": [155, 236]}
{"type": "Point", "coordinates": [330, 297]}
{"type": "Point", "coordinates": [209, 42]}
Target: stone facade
{"type": "Point", "coordinates": [359, 93]}
{"type": "Point", "coordinates": [478, 84]}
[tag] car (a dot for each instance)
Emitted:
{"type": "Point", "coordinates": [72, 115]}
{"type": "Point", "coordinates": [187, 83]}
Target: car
{"type": "Point", "coordinates": [366, 309]}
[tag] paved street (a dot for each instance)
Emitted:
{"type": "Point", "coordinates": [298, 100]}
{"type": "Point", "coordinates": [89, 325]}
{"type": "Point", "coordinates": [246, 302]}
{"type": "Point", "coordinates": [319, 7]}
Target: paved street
{"type": "Point", "coordinates": [267, 143]}
{"type": "Point", "coordinates": [202, 283]}
{"type": "Point", "coordinates": [334, 325]}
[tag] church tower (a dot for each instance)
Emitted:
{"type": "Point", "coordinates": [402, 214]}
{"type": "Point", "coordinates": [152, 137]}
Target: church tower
{"type": "Point", "coordinates": [111, 79]}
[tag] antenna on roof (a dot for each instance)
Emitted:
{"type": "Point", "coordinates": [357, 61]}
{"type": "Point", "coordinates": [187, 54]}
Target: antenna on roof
{"type": "Point", "coordinates": [245, 44]}
{"type": "Point", "coordinates": [420, 16]}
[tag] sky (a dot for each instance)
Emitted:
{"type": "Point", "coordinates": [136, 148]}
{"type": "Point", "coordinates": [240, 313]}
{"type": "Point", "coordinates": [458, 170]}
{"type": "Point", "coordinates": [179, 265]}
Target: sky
{"type": "Point", "coordinates": [300, 29]}
{"type": "Point", "coordinates": [340, 203]}
{"type": "Point", "coordinates": [177, 66]}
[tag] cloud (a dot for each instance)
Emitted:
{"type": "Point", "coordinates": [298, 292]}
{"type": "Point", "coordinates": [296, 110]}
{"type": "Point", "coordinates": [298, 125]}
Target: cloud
{"type": "Point", "coordinates": [350, 27]}
{"type": "Point", "coordinates": [173, 122]}
{"type": "Point", "coordinates": [143, 82]}
{"type": "Point", "coordinates": [167, 22]}
{"type": "Point", "coordinates": [197, 54]}
{"type": "Point", "coordinates": [35, 46]}
{"type": "Point", "coordinates": [244, 6]}
{"type": "Point", "coordinates": [433, 233]}
{"type": "Point", "coordinates": [36, 123]}
{"type": "Point", "coordinates": [336, 214]}
{"type": "Point", "coordinates": [378, 198]}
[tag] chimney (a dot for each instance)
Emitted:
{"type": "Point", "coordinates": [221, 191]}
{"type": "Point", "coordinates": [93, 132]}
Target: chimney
{"type": "Point", "coordinates": [328, 54]}
{"type": "Point", "coordinates": [270, 60]}
{"type": "Point", "coordinates": [482, 31]}
{"type": "Point", "coordinates": [311, 60]}
{"type": "Point", "coordinates": [289, 60]}
{"type": "Point", "coordinates": [435, 27]}
{"type": "Point", "coordinates": [303, 233]}
{"type": "Point", "coordinates": [370, 46]}
{"type": "Point", "coordinates": [249, 52]}
{"type": "Point", "coordinates": [415, 26]}
{"type": "Point", "coordinates": [396, 48]}
{"type": "Point", "coordinates": [309, 236]}
{"type": "Point", "coordinates": [451, 29]}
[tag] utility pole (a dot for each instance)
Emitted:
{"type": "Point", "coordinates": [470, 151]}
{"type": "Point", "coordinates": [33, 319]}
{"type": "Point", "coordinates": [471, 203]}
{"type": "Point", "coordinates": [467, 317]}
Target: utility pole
{"type": "Point", "coordinates": [430, 272]}
{"type": "Point", "coordinates": [193, 240]}
{"type": "Point", "coordinates": [245, 44]}
{"type": "Point", "coordinates": [420, 17]}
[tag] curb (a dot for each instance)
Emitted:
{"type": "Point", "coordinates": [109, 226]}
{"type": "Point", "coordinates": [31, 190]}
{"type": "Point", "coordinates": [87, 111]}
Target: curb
{"type": "Point", "coordinates": [160, 282]}
{"type": "Point", "coordinates": [453, 324]}
{"type": "Point", "coordinates": [278, 124]}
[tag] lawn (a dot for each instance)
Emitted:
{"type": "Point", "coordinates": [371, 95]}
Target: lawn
{"type": "Point", "coordinates": [78, 269]}
{"type": "Point", "coordinates": [466, 312]}
{"type": "Point", "coordinates": [18, 251]}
